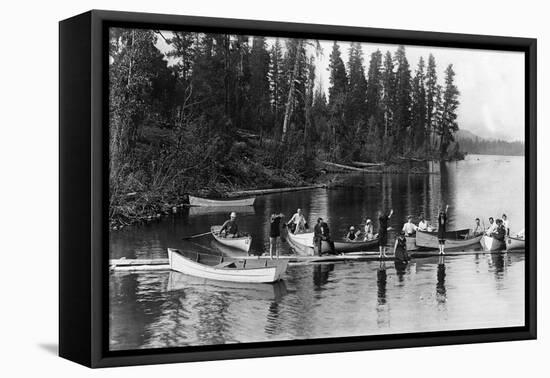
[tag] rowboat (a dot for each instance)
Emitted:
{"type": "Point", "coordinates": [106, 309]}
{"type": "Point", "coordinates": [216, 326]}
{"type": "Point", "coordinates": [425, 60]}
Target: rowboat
{"type": "Point", "coordinates": [224, 269]}
{"type": "Point", "coordinates": [196, 211]}
{"type": "Point", "coordinates": [491, 244]}
{"type": "Point", "coordinates": [453, 240]}
{"type": "Point", "coordinates": [302, 244]}
{"type": "Point", "coordinates": [457, 234]}
{"type": "Point", "coordinates": [242, 243]}
{"type": "Point", "coordinates": [197, 201]}
{"type": "Point", "coordinates": [514, 243]}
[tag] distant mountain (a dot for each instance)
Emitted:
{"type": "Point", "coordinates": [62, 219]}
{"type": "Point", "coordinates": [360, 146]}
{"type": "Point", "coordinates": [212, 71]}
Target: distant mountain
{"type": "Point", "coordinates": [473, 144]}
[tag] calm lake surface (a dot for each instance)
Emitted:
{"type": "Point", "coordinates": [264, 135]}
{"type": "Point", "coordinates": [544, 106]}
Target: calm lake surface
{"type": "Point", "coordinates": [168, 309]}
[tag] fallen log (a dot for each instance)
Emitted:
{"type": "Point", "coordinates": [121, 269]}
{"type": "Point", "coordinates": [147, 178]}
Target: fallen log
{"type": "Point", "coordinates": [362, 164]}
{"type": "Point", "coordinates": [239, 193]}
{"type": "Point", "coordinates": [350, 168]}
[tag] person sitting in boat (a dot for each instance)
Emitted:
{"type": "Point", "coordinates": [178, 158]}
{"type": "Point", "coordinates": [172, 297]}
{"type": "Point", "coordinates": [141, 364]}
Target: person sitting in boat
{"type": "Point", "coordinates": [500, 231]}
{"type": "Point", "coordinates": [352, 234]}
{"type": "Point", "coordinates": [521, 234]}
{"type": "Point", "coordinates": [369, 230]}
{"type": "Point", "coordinates": [423, 225]}
{"type": "Point", "coordinates": [297, 224]}
{"type": "Point", "coordinates": [492, 226]}
{"type": "Point", "coordinates": [409, 228]}
{"type": "Point", "coordinates": [400, 248]}
{"type": "Point", "coordinates": [478, 229]}
{"type": "Point", "coordinates": [230, 229]}
{"type": "Point", "coordinates": [506, 224]}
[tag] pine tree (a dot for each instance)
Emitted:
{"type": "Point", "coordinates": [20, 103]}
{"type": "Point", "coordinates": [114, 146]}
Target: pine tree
{"type": "Point", "coordinates": [448, 124]}
{"type": "Point", "coordinates": [357, 91]}
{"type": "Point", "coordinates": [431, 93]}
{"type": "Point", "coordinates": [337, 98]}
{"type": "Point", "coordinates": [402, 104]}
{"type": "Point", "coordinates": [388, 94]}
{"type": "Point", "coordinates": [258, 92]}
{"type": "Point", "coordinates": [276, 79]}
{"type": "Point", "coordinates": [419, 107]}
{"type": "Point", "coordinates": [374, 109]}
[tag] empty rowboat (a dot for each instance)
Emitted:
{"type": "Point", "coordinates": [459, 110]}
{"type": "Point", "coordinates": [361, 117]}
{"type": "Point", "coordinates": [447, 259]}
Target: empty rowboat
{"type": "Point", "coordinates": [302, 244]}
{"type": "Point", "coordinates": [453, 240]}
{"type": "Point", "coordinates": [242, 243]}
{"type": "Point", "coordinates": [514, 243]}
{"type": "Point", "coordinates": [412, 245]}
{"type": "Point", "coordinates": [197, 201]}
{"type": "Point", "coordinates": [491, 244]}
{"type": "Point", "coordinates": [223, 269]}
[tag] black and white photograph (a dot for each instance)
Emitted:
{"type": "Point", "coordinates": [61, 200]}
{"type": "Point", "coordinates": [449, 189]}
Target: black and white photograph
{"type": "Point", "coordinates": [270, 188]}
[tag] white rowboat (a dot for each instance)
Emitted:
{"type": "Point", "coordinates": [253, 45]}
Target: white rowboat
{"type": "Point", "coordinates": [514, 243]}
{"type": "Point", "coordinates": [491, 244]}
{"type": "Point", "coordinates": [303, 244]}
{"type": "Point", "coordinates": [197, 201]}
{"type": "Point", "coordinates": [431, 241]}
{"type": "Point", "coordinates": [231, 270]}
{"type": "Point", "coordinates": [242, 243]}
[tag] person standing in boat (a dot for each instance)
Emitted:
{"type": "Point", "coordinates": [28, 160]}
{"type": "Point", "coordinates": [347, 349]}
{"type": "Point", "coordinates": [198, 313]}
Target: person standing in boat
{"type": "Point", "coordinates": [478, 229]}
{"type": "Point", "coordinates": [297, 223]}
{"type": "Point", "coordinates": [500, 231]}
{"type": "Point", "coordinates": [352, 234]}
{"type": "Point", "coordinates": [230, 229]}
{"type": "Point", "coordinates": [492, 226]}
{"type": "Point", "coordinates": [506, 224]}
{"type": "Point", "coordinates": [442, 229]}
{"type": "Point", "coordinates": [383, 220]}
{"type": "Point", "coordinates": [369, 230]}
{"type": "Point", "coordinates": [274, 234]}
{"type": "Point", "coordinates": [409, 228]}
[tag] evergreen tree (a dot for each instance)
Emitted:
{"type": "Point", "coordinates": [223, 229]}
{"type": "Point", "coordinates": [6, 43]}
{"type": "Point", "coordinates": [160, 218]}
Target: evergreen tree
{"type": "Point", "coordinates": [276, 79]}
{"type": "Point", "coordinates": [419, 107]}
{"type": "Point", "coordinates": [431, 93]}
{"type": "Point", "coordinates": [374, 108]}
{"type": "Point", "coordinates": [337, 100]}
{"type": "Point", "coordinates": [258, 92]}
{"type": "Point", "coordinates": [357, 91]}
{"type": "Point", "coordinates": [402, 104]}
{"type": "Point", "coordinates": [448, 124]}
{"type": "Point", "coordinates": [388, 94]}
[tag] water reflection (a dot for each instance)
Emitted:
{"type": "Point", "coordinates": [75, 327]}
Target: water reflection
{"type": "Point", "coordinates": [160, 309]}
{"type": "Point", "coordinates": [440, 289]}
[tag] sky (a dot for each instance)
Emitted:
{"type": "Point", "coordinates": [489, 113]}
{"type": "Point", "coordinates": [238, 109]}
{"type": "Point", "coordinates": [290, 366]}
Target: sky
{"type": "Point", "coordinates": [491, 83]}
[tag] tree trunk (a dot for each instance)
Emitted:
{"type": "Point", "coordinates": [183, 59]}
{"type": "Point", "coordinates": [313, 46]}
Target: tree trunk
{"type": "Point", "coordinates": [291, 90]}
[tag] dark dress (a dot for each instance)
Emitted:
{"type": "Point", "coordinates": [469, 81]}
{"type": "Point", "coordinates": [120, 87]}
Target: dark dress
{"type": "Point", "coordinates": [275, 228]}
{"type": "Point", "coordinates": [401, 250]}
{"type": "Point", "coordinates": [441, 227]}
{"type": "Point", "coordinates": [383, 231]}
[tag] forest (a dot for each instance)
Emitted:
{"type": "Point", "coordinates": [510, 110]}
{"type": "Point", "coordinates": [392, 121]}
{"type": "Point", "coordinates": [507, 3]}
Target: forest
{"type": "Point", "coordinates": [219, 112]}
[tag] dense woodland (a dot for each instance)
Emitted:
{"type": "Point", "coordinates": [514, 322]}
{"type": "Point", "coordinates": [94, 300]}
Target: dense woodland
{"type": "Point", "coordinates": [178, 122]}
{"type": "Point", "coordinates": [492, 147]}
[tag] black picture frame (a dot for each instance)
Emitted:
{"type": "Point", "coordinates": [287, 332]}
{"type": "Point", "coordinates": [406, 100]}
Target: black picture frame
{"type": "Point", "coordinates": [83, 228]}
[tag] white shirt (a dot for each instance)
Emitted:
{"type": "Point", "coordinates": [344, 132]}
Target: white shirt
{"type": "Point", "coordinates": [423, 225]}
{"type": "Point", "coordinates": [299, 220]}
{"type": "Point", "coordinates": [492, 228]}
{"type": "Point", "coordinates": [409, 228]}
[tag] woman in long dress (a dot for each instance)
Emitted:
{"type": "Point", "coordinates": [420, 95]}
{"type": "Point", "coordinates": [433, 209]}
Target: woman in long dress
{"type": "Point", "coordinates": [442, 229]}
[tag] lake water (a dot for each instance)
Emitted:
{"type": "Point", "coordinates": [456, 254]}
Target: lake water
{"type": "Point", "coordinates": [168, 309]}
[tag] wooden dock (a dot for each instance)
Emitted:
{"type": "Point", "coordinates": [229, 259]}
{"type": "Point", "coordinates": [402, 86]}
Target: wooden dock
{"type": "Point", "coordinates": [162, 264]}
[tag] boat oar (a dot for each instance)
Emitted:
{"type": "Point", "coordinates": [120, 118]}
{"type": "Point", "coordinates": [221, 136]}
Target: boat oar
{"type": "Point", "coordinates": [196, 235]}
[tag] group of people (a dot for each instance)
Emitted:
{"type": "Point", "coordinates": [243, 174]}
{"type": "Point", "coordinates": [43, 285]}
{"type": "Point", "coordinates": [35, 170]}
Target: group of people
{"type": "Point", "coordinates": [297, 224]}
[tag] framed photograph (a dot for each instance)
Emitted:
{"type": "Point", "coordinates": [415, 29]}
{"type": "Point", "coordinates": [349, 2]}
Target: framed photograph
{"type": "Point", "coordinates": [235, 188]}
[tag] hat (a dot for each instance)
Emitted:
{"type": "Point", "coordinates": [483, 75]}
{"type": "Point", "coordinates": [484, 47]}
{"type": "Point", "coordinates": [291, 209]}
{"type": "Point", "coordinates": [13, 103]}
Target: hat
{"type": "Point", "coordinates": [352, 228]}
{"type": "Point", "coordinates": [233, 214]}
{"type": "Point", "coordinates": [368, 221]}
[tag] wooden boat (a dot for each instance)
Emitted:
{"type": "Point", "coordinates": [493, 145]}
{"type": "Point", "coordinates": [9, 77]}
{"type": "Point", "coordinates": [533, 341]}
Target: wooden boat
{"type": "Point", "coordinates": [224, 269]}
{"type": "Point", "coordinates": [514, 243]}
{"type": "Point", "coordinates": [242, 243]}
{"type": "Point", "coordinates": [196, 211]}
{"type": "Point", "coordinates": [491, 244]}
{"type": "Point", "coordinates": [197, 201]}
{"type": "Point", "coordinates": [302, 244]}
{"type": "Point", "coordinates": [432, 241]}
{"type": "Point", "coordinates": [458, 239]}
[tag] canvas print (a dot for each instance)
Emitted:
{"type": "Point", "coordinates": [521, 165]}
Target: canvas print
{"type": "Point", "coordinates": [264, 189]}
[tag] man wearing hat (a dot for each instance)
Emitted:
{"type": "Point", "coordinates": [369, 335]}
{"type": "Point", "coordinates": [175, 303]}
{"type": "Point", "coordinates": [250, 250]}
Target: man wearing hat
{"type": "Point", "coordinates": [229, 228]}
